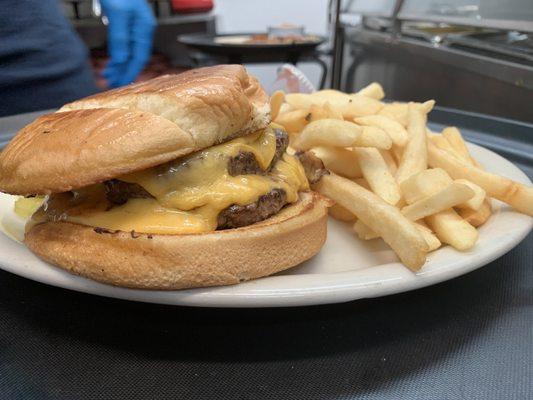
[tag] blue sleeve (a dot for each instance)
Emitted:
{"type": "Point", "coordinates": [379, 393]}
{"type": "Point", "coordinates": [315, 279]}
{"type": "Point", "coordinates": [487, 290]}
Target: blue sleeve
{"type": "Point", "coordinates": [41, 56]}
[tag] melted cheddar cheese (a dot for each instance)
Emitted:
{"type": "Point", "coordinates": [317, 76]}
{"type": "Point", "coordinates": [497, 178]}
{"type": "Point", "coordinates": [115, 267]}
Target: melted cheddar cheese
{"type": "Point", "coordinates": [188, 193]}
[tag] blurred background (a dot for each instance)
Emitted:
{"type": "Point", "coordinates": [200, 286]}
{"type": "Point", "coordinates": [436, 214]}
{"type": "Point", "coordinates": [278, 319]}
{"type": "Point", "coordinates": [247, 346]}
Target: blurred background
{"type": "Point", "coordinates": [471, 55]}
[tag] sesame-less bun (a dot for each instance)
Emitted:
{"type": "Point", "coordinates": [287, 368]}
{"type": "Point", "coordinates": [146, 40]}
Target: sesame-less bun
{"type": "Point", "coordinates": [132, 128]}
{"type": "Point", "coordinates": [184, 261]}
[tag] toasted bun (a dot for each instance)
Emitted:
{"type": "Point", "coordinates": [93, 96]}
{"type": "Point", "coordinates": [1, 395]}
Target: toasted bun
{"type": "Point", "coordinates": [132, 128]}
{"type": "Point", "coordinates": [185, 261]}
{"type": "Point", "coordinates": [62, 151]}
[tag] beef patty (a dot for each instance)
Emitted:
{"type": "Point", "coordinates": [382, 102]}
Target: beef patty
{"type": "Point", "coordinates": [313, 166]}
{"type": "Point", "coordinates": [235, 216]}
{"type": "Point", "coordinates": [118, 192]}
{"type": "Point", "coordinates": [245, 163]}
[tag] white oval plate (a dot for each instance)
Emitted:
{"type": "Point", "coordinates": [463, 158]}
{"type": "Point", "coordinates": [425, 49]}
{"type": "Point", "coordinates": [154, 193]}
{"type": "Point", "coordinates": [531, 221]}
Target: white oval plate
{"type": "Point", "coordinates": [345, 269]}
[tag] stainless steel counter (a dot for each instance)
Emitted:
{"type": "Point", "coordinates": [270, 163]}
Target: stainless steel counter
{"type": "Point", "coordinates": [415, 69]}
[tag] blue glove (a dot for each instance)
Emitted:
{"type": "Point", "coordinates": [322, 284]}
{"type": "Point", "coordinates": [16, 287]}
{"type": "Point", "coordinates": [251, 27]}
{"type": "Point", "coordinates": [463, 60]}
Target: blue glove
{"type": "Point", "coordinates": [130, 33]}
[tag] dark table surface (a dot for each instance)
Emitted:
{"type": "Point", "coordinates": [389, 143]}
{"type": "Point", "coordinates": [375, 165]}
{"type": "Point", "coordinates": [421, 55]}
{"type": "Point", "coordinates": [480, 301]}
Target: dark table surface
{"type": "Point", "coordinates": [468, 338]}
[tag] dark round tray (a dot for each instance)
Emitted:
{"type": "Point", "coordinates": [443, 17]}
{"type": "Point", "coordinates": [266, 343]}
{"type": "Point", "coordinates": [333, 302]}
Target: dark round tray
{"type": "Point", "coordinates": [207, 43]}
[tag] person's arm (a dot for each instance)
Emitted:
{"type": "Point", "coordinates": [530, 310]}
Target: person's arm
{"type": "Point", "coordinates": [130, 34]}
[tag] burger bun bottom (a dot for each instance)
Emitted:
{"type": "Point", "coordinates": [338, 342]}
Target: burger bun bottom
{"type": "Point", "coordinates": [150, 261]}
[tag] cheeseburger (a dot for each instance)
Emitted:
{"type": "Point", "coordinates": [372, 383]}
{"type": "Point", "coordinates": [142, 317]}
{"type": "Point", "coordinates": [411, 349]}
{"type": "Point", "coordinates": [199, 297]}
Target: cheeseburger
{"type": "Point", "coordinates": [172, 183]}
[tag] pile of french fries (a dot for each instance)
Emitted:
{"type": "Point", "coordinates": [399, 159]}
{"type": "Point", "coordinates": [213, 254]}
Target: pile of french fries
{"type": "Point", "coordinates": [390, 175]}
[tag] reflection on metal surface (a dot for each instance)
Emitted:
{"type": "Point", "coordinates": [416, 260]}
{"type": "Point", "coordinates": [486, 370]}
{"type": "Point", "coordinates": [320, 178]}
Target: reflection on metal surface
{"type": "Point", "coordinates": [411, 68]}
{"type": "Point", "coordinates": [450, 50]}
{"type": "Point", "coordinates": [500, 14]}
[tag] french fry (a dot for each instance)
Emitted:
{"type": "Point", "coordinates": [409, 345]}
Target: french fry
{"type": "Point", "coordinates": [477, 217]}
{"type": "Point", "coordinates": [397, 153]}
{"type": "Point", "coordinates": [323, 112]}
{"type": "Point", "coordinates": [454, 137]}
{"type": "Point", "coordinates": [393, 128]}
{"type": "Point", "coordinates": [359, 106]}
{"type": "Point", "coordinates": [515, 194]}
{"type": "Point", "coordinates": [302, 101]}
{"type": "Point", "coordinates": [331, 95]}
{"type": "Point", "coordinates": [414, 158]}
{"type": "Point", "coordinates": [332, 112]}
{"type": "Point", "coordinates": [276, 100]}
{"type": "Point", "coordinates": [293, 121]}
{"type": "Point", "coordinates": [432, 241]}
{"type": "Point", "coordinates": [342, 214]}
{"type": "Point", "coordinates": [363, 231]}
{"type": "Point", "coordinates": [424, 184]}
{"type": "Point", "coordinates": [386, 220]}
{"type": "Point", "coordinates": [285, 108]}
{"type": "Point", "coordinates": [430, 134]}
{"type": "Point", "coordinates": [396, 111]}
{"type": "Point", "coordinates": [377, 174]}
{"type": "Point", "coordinates": [389, 159]}
{"type": "Point", "coordinates": [317, 112]}
{"type": "Point", "coordinates": [454, 194]}
{"type": "Point", "coordinates": [475, 202]}
{"type": "Point", "coordinates": [423, 224]}
{"type": "Point", "coordinates": [427, 106]}
{"type": "Point", "coordinates": [374, 91]}
{"type": "Point", "coordinates": [456, 140]}
{"type": "Point", "coordinates": [362, 182]}
{"type": "Point", "coordinates": [442, 143]}
{"type": "Point", "coordinates": [401, 203]}
{"type": "Point", "coordinates": [351, 106]}
{"type": "Point", "coordinates": [328, 132]}
{"type": "Point", "coordinates": [373, 137]}
{"type": "Point", "coordinates": [450, 228]}
{"type": "Point", "coordinates": [339, 160]}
